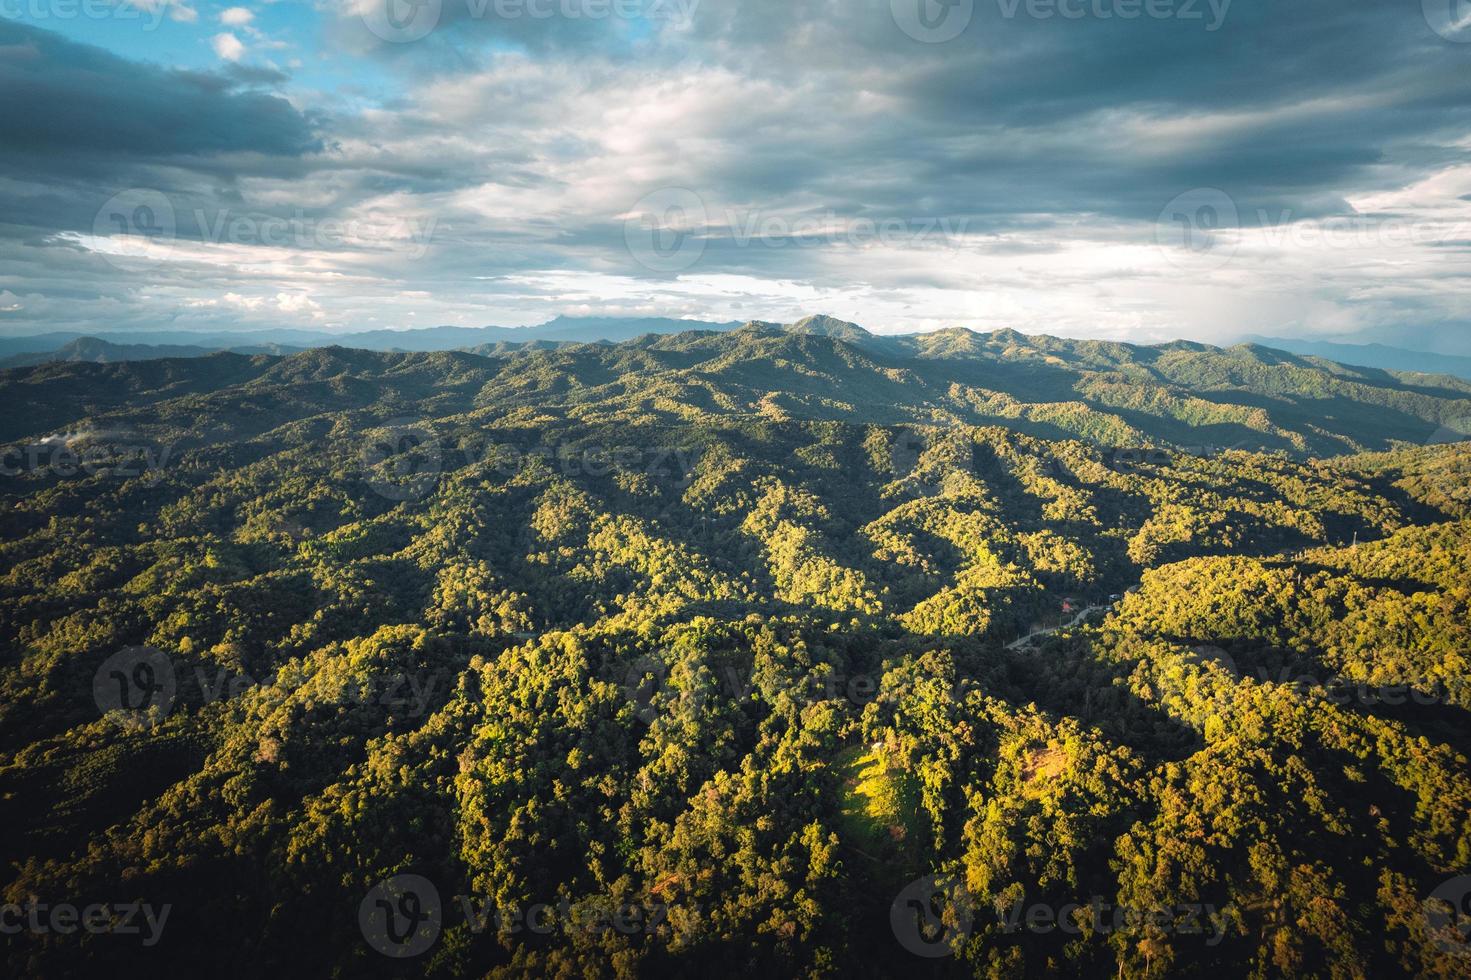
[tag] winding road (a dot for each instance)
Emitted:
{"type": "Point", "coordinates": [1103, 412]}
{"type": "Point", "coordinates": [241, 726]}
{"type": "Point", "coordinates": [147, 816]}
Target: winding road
{"type": "Point", "coordinates": [1017, 644]}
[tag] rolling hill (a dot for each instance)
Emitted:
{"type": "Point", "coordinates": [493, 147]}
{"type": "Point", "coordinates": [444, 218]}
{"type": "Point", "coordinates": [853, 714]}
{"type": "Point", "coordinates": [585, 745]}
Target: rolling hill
{"type": "Point", "coordinates": [1178, 395]}
{"type": "Point", "coordinates": [711, 634]}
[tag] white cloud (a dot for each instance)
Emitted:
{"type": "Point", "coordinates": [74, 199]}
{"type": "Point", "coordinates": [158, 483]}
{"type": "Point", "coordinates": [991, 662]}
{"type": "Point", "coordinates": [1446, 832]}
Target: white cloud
{"type": "Point", "coordinates": [178, 10]}
{"type": "Point", "coordinates": [532, 162]}
{"type": "Point", "coordinates": [298, 303]}
{"type": "Point", "coordinates": [228, 46]}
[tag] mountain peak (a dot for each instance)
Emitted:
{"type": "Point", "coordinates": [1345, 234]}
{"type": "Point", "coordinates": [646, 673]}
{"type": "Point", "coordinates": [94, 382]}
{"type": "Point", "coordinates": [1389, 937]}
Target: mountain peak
{"type": "Point", "coordinates": [829, 326]}
{"type": "Point", "coordinates": [760, 327]}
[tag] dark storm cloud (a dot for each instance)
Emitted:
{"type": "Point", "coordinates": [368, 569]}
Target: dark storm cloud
{"type": "Point", "coordinates": [1289, 108]}
{"type": "Point", "coordinates": [1382, 80]}
{"type": "Point", "coordinates": [530, 138]}
{"type": "Point", "coordinates": [81, 125]}
{"type": "Point", "coordinates": [77, 105]}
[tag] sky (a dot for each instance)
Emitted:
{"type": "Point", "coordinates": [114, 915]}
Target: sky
{"type": "Point", "coordinates": [1141, 170]}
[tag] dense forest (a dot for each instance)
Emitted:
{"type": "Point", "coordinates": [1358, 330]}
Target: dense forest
{"type": "Point", "coordinates": [770, 652]}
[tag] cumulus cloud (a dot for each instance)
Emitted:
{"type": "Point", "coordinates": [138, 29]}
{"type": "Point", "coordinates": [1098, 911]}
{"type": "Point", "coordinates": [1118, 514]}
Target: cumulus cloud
{"type": "Point", "coordinates": [1291, 170]}
{"type": "Point", "coordinates": [228, 46]}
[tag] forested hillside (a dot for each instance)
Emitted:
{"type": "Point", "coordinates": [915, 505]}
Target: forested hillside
{"type": "Point", "coordinates": [1179, 395]}
{"type": "Point", "coordinates": [697, 654]}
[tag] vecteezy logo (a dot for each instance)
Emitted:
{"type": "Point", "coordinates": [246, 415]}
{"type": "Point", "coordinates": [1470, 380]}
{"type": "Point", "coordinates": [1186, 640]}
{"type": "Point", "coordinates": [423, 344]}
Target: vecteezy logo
{"type": "Point", "coordinates": [403, 460]}
{"type": "Point", "coordinates": [1451, 19]}
{"type": "Point", "coordinates": [135, 227]}
{"type": "Point", "coordinates": [1198, 227]}
{"type": "Point", "coordinates": [1448, 914]}
{"type": "Point", "coordinates": [1221, 658]}
{"type": "Point", "coordinates": [932, 21]}
{"type": "Point", "coordinates": [664, 231]}
{"type": "Point", "coordinates": [905, 452]}
{"type": "Point", "coordinates": [926, 458]}
{"type": "Point", "coordinates": [402, 916]}
{"type": "Point", "coordinates": [137, 681]}
{"type": "Point", "coordinates": [1132, 457]}
{"type": "Point", "coordinates": [646, 677]}
{"type": "Point", "coordinates": [1456, 430]}
{"type": "Point", "coordinates": [932, 916]}
{"type": "Point", "coordinates": [401, 21]}
{"type": "Point", "coordinates": [1451, 475]}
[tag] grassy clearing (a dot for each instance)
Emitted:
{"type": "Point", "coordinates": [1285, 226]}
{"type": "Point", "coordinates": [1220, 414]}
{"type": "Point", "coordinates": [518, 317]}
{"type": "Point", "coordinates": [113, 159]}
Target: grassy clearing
{"type": "Point", "coordinates": [879, 808]}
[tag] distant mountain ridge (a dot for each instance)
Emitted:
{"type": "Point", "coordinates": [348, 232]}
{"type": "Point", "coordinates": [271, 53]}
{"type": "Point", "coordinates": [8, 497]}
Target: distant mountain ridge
{"type": "Point", "coordinates": [1375, 355]}
{"type": "Point", "coordinates": [562, 329]}
{"type": "Point", "coordinates": [1181, 395]}
{"type": "Point", "coordinates": [104, 347]}
{"type": "Point", "coordinates": [98, 351]}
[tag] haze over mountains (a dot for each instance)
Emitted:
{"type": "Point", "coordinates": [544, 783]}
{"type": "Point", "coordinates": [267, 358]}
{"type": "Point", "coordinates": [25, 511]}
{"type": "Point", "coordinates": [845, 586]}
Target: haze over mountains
{"type": "Point", "coordinates": [112, 346]}
{"type": "Point", "coordinates": [1182, 395]}
{"type": "Point", "coordinates": [1373, 355]}
{"type": "Point", "coordinates": [558, 330]}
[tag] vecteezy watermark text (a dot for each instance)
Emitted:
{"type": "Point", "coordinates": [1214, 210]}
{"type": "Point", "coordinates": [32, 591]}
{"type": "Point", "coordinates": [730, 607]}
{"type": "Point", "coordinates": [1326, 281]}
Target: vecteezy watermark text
{"type": "Point", "coordinates": [934, 916]}
{"type": "Point", "coordinates": [117, 454]}
{"type": "Point", "coordinates": [149, 15]}
{"type": "Point", "coordinates": [1211, 13]}
{"type": "Point", "coordinates": [403, 459]}
{"type": "Point", "coordinates": [1204, 228]}
{"type": "Point", "coordinates": [97, 919]}
{"type": "Point", "coordinates": [1102, 917]}
{"type": "Point", "coordinates": [142, 685]}
{"type": "Point", "coordinates": [407, 21]}
{"type": "Point", "coordinates": [647, 686]}
{"type": "Point", "coordinates": [1422, 690]}
{"type": "Point", "coordinates": [404, 915]}
{"type": "Point", "coordinates": [938, 21]}
{"type": "Point", "coordinates": [141, 226]}
{"type": "Point", "coordinates": [670, 229]}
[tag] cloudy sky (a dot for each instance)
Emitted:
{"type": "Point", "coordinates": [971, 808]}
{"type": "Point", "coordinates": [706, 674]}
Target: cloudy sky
{"type": "Point", "coordinates": [1137, 169]}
